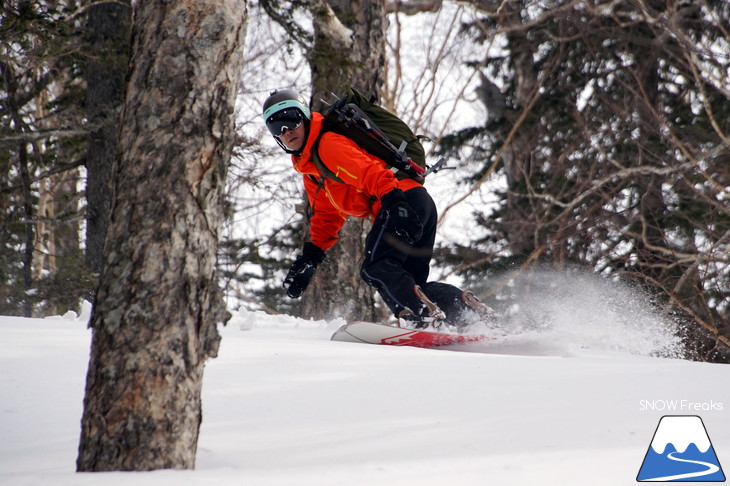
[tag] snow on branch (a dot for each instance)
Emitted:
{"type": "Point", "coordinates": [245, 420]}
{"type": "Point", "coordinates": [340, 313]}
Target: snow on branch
{"type": "Point", "coordinates": [331, 26]}
{"type": "Point", "coordinates": [326, 18]}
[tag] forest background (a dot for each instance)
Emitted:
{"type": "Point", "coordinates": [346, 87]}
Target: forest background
{"type": "Point", "coordinates": [587, 136]}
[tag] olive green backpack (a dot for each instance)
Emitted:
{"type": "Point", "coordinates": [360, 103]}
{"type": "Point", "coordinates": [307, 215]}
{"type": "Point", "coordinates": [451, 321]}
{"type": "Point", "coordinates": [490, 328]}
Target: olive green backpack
{"type": "Point", "coordinates": [375, 130]}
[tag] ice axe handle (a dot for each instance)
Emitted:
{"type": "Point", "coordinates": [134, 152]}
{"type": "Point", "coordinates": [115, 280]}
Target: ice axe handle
{"type": "Point", "coordinates": [437, 167]}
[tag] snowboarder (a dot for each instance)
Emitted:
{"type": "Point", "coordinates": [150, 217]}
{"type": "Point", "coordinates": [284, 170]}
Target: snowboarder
{"type": "Point", "coordinates": [398, 248]}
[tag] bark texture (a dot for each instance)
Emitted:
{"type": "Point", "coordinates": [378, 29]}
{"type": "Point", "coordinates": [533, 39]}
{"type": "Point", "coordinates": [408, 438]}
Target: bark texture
{"type": "Point", "coordinates": [108, 30]}
{"type": "Point", "coordinates": [158, 302]}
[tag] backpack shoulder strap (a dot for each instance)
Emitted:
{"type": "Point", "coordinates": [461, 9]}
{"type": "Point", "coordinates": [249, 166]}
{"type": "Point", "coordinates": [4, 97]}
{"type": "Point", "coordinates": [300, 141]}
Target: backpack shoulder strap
{"type": "Point", "coordinates": [326, 172]}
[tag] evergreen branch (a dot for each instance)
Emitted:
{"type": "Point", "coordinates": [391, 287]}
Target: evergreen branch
{"type": "Point", "coordinates": [44, 175]}
{"type": "Point", "coordinates": [286, 20]}
{"type": "Point", "coordinates": [720, 339]}
{"type": "Point", "coordinates": [534, 96]}
{"type": "Point", "coordinates": [327, 21]}
{"type": "Point", "coordinates": [28, 137]}
{"type": "Point", "coordinates": [627, 173]}
{"type": "Point", "coordinates": [269, 310]}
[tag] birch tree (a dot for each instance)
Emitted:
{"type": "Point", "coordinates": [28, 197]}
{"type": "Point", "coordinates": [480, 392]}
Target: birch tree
{"type": "Point", "coordinates": [158, 302]}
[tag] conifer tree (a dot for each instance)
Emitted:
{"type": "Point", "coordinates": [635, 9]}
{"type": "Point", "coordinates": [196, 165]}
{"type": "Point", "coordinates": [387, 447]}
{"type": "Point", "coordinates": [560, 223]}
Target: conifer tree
{"type": "Point", "coordinates": [41, 147]}
{"type": "Point", "coordinates": [613, 145]}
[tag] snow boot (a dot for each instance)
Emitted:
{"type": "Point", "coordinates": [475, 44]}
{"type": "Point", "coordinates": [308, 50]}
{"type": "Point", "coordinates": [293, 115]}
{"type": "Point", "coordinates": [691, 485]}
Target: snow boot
{"type": "Point", "coordinates": [486, 313]}
{"type": "Point", "coordinates": [431, 316]}
{"type": "Point", "coordinates": [462, 308]}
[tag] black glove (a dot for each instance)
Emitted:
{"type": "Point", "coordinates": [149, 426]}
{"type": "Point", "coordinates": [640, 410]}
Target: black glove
{"type": "Point", "coordinates": [400, 217]}
{"type": "Point", "coordinates": [302, 269]}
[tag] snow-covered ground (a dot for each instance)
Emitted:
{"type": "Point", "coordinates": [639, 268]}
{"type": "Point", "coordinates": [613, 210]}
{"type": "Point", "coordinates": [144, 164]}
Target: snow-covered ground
{"type": "Point", "coordinates": [283, 405]}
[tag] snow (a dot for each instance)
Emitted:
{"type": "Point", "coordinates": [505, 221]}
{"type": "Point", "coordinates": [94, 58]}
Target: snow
{"type": "Point", "coordinates": [283, 405]}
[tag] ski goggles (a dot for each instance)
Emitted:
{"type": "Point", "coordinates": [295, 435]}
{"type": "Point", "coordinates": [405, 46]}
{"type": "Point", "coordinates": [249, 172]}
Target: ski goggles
{"type": "Point", "coordinates": [284, 120]}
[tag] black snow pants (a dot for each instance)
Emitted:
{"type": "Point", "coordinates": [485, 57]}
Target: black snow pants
{"type": "Point", "coordinates": [394, 267]}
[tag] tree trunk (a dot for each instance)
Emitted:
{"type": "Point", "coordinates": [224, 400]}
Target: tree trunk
{"type": "Point", "coordinates": [521, 224]}
{"type": "Point", "coordinates": [10, 84]}
{"type": "Point", "coordinates": [158, 302]}
{"type": "Point", "coordinates": [29, 215]}
{"type": "Point", "coordinates": [337, 289]}
{"type": "Point", "coordinates": [108, 28]}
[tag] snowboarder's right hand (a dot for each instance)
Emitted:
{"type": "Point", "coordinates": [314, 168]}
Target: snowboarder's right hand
{"type": "Point", "coordinates": [302, 269]}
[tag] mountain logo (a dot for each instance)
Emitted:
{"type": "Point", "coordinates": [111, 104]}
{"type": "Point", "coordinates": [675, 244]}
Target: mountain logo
{"type": "Point", "coordinates": [681, 451]}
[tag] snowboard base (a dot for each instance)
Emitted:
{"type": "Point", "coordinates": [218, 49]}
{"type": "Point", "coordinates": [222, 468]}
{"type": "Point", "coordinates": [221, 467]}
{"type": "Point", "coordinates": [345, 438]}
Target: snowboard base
{"type": "Point", "coordinates": [376, 333]}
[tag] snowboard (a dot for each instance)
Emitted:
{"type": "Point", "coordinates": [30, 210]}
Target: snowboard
{"type": "Point", "coordinates": [376, 333]}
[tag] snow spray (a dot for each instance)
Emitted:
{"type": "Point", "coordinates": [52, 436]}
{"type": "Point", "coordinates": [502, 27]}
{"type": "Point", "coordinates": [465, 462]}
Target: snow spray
{"type": "Point", "coordinates": [561, 311]}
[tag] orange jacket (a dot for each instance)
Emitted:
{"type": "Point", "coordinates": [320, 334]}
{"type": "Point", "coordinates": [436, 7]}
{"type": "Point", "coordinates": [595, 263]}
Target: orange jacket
{"type": "Point", "coordinates": [366, 179]}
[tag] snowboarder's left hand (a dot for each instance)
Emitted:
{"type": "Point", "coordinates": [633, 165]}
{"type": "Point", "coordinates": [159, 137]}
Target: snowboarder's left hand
{"type": "Point", "coordinates": [302, 270]}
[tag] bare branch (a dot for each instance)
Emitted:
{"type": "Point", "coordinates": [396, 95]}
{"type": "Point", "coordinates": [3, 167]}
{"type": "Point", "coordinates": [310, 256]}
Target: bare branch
{"type": "Point", "coordinates": [28, 137]}
{"type": "Point", "coordinates": [412, 7]}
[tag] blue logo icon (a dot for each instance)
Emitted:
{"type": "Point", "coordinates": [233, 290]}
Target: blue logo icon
{"type": "Point", "coordinates": [681, 451]}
